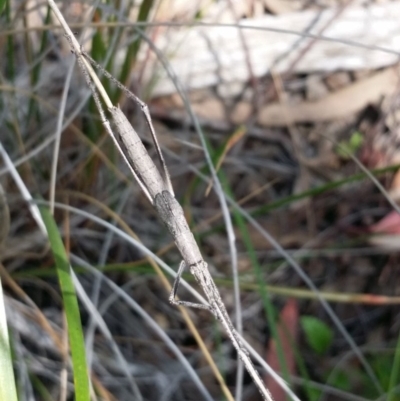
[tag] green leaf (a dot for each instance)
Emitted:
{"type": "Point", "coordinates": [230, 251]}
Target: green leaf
{"type": "Point", "coordinates": [318, 335]}
{"type": "Point", "coordinates": [2, 6]}
{"type": "Point", "coordinates": [350, 147]}
{"type": "Point", "coordinates": [394, 374]}
{"type": "Point", "coordinates": [8, 389]}
{"type": "Point", "coordinates": [75, 334]}
{"type": "Point", "coordinates": [342, 381]}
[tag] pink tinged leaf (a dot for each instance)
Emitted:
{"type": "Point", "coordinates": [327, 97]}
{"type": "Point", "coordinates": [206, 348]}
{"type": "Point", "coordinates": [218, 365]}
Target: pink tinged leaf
{"type": "Point", "coordinates": [287, 332]}
{"type": "Point", "coordinates": [390, 224]}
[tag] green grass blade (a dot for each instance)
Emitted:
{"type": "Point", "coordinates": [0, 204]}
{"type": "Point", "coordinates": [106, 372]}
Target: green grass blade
{"type": "Point", "coordinates": [394, 376]}
{"type": "Point", "coordinates": [10, 63]}
{"type": "Point", "coordinates": [41, 388]}
{"type": "Point", "coordinates": [75, 334]}
{"type": "Point", "coordinates": [133, 49]}
{"type": "Point", "coordinates": [262, 288]}
{"type": "Point", "coordinates": [2, 6]}
{"type": "Point", "coordinates": [320, 190]}
{"type": "Point", "coordinates": [8, 390]}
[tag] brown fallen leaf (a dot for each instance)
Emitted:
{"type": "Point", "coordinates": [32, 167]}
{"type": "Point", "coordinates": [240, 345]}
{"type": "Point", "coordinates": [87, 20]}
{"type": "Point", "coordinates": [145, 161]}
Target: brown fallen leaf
{"type": "Point", "coordinates": [337, 105]}
{"type": "Point", "coordinates": [385, 241]}
{"type": "Point", "coordinates": [277, 7]}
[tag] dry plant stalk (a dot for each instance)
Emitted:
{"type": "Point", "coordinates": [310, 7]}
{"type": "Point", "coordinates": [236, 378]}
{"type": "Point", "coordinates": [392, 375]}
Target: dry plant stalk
{"type": "Point", "coordinates": [158, 189]}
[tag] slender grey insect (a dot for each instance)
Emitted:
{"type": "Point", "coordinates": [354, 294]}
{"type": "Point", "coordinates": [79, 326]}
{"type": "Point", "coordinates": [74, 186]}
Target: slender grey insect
{"type": "Point", "coordinates": [158, 189]}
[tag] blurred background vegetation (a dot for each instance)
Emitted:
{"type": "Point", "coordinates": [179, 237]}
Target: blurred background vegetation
{"type": "Point", "coordinates": [297, 102]}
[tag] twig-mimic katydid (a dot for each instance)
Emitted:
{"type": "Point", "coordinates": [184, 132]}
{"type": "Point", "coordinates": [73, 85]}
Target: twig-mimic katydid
{"type": "Point", "coordinates": [159, 190]}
